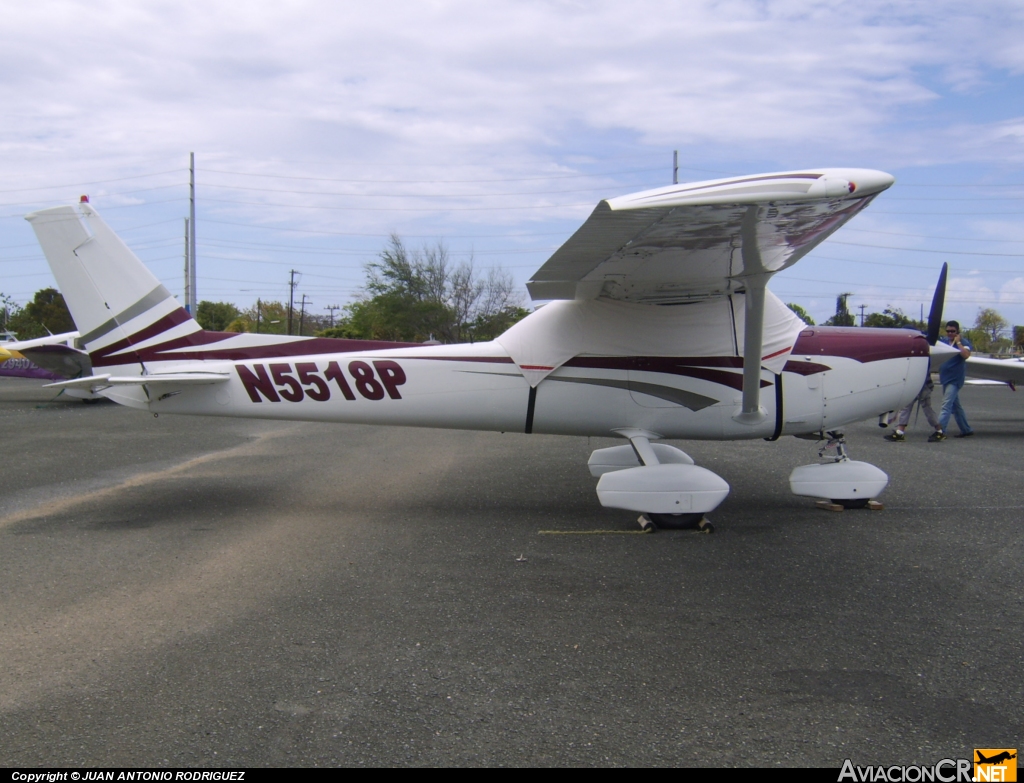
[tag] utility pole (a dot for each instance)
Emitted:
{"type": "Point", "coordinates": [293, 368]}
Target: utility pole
{"type": "Point", "coordinates": [258, 307]}
{"type": "Point", "coordinates": [291, 299]}
{"type": "Point", "coordinates": [302, 314]}
{"type": "Point", "coordinates": [842, 311]}
{"type": "Point", "coordinates": [188, 279]}
{"type": "Point", "coordinates": [675, 167]}
{"type": "Point", "coordinates": [332, 308]}
{"type": "Point", "coordinates": [192, 232]}
{"type": "Point", "coordinates": [862, 314]}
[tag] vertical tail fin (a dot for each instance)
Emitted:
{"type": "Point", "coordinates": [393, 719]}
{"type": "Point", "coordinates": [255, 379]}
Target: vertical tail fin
{"type": "Point", "coordinates": [115, 300]}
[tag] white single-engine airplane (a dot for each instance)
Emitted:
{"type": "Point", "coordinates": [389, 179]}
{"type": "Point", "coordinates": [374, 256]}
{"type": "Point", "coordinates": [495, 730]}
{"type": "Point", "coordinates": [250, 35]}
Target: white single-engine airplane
{"type": "Point", "coordinates": [659, 325]}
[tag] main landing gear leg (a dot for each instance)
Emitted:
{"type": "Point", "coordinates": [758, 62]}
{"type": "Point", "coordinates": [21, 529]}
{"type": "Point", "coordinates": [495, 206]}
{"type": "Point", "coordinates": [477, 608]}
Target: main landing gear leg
{"type": "Point", "coordinates": [657, 480]}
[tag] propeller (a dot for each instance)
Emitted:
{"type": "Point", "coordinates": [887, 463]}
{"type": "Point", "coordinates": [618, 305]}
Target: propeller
{"type": "Point", "coordinates": [940, 352]}
{"type": "Point", "coordinates": [935, 314]}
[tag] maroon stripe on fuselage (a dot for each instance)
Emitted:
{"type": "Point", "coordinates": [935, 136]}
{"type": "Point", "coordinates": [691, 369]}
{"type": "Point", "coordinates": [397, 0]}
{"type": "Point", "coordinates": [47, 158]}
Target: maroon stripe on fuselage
{"type": "Point", "coordinates": [654, 363]}
{"type": "Point", "coordinates": [169, 321]}
{"type": "Point", "coordinates": [691, 366]}
{"type": "Point", "coordinates": [490, 359]}
{"type": "Point", "coordinates": [687, 366]}
{"type": "Point", "coordinates": [197, 340]}
{"type": "Point", "coordinates": [312, 346]}
{"type": "Point", "coordinates": [862, 344]}
{"type": "Point", "coordinates": [805, 368]}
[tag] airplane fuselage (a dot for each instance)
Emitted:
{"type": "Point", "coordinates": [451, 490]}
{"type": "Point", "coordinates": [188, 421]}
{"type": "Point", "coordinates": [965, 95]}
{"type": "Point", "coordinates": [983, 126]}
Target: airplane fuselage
{"type": "Point", "coordinates": [834, 376]}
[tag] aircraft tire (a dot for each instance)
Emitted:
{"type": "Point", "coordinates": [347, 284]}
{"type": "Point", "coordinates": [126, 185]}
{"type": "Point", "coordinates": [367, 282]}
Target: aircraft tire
{"type": "Point", "coordinates": [677, 521]}
{"type": "Point", "coordinates": [853, 503]}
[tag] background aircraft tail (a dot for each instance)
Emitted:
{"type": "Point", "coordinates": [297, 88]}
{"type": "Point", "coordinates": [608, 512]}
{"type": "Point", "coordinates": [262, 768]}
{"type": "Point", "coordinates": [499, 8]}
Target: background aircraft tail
{"type": "Point", "coordinates": [117, 303]}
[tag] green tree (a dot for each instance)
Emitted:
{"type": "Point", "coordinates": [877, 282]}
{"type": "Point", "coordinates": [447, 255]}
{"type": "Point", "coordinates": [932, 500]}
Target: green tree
{"type": "Point", "coordinates": [990, 322]}
{"type": "Point", "coordinates": [216, 316]}
{"type": "Point", "coordinates": [802, 314]}
{"type": "Point", "coordinates": [262, 317]}
{"type": "Point", "coordinates": [415, 295]}
{"type": "Point", "coordinates": [890, 318]}
{"type": "Point", "coordinates": [487, 327]}
{"type": "Point", "coordinates": [843, 316]}
{"type": "Point", "coordinates": [239, 325]}
{"type": "Point", "coordinates": [979, 338]}
{"type": "Point", "coordinates": [1018, 338]}
{"type": "Point", "coordinates": [47, 313]}
{"type": "Point", "coordinates": [8, 309]}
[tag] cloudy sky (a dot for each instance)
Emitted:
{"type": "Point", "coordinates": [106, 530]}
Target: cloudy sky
{"type": "Point", "coordinates": [319, 128]}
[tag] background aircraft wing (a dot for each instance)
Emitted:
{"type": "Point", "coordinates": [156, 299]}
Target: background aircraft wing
{"type": "Point", "coordinates": [698, 240]}
{"type": "Point", "coordinates": [62, 360]}
{"type": "Point", "coordinates": [1005, 370]}
{"type": "Point", "coordinates": [55, 353]}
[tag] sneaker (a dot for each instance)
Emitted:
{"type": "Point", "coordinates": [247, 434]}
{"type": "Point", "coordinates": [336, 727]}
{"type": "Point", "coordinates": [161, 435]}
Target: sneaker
{"type": "Point", "coordinates": [935, 437]}
{"type": "Point", "coordinates": [896, 436]}
{"type": "Point", "coordinates": [964, 434]}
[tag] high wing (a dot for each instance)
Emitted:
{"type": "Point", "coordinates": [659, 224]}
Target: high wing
{"type": "Point", "coordinates": [703, 239]}
{"type": "Point", "coordinates": [707, 240]}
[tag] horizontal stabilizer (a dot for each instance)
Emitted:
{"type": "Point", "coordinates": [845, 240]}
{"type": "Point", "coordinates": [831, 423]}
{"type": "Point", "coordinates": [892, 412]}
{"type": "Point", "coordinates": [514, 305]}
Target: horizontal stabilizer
{"type": "Point", "coordinates": [177, 378]}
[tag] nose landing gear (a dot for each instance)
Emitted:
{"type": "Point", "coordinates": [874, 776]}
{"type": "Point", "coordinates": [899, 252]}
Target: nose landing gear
{"type": "Point", "coordinates": [845, 482]}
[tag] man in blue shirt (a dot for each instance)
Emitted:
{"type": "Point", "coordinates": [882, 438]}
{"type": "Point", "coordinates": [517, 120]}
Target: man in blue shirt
{"type": "Point", "coordinates": [952, 375]}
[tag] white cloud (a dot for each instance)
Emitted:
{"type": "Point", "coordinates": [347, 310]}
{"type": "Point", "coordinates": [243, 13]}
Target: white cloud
{"type": "Point", "coordinates": [1011, 293]}
{"type": "Point", "coordinates": [412, 92]}
{"type": "Point", "coordinates": [443, 78]}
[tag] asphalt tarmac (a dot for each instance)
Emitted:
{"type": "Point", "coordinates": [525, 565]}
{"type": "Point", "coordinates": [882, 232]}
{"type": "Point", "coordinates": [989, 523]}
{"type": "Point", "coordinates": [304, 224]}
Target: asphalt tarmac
{"type": "Point", "coordinates": [181, 591]}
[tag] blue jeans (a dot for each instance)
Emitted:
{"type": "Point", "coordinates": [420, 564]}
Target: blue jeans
{"type": "Point", "coordinates": [951, 407]}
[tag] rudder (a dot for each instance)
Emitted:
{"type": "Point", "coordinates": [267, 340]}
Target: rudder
{"type": "Point", "coordinates": [112, 296]}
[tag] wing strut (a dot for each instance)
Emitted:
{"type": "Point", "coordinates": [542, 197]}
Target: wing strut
{"type": "Point", "coordinates": [753, 338]}
{"type": "Point", "coordinates": [756, 278]}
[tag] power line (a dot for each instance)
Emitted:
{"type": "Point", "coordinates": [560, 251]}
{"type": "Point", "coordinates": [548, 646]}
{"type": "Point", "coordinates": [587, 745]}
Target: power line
{"type": "Point", "coordinates": [1003, 301]}
{"type": "Point", "coordinates": [386, 236]}
{"type": "Point", "coordinates": [366, 252]}
{"type": "Point", "coordinates": [924, 250]}
{"type": "Point", "coordinates": [439, 181]}
{"type": "Point", "coordinates": [39, 204]}
{"type": "Point", "coordinates": [930, 236]}
{"type": "Point", "coordinates": [94, 182]}
{"type": "Point", "coordinates": [879, 212]}
{"type": "Point", "coordinates": [407, 195]}
{"type": "Point", "coordinates": [908, 266]}
{"type": "Point", "coordinates": [944, 198]}
{"type": "Point", "coordinates": [394, 209]}
{"type": "Point", "coordinates": [960, 185]}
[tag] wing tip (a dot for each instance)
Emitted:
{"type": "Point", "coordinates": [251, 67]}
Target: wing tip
{"type": "Point", "coordinates": [804, 184]}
